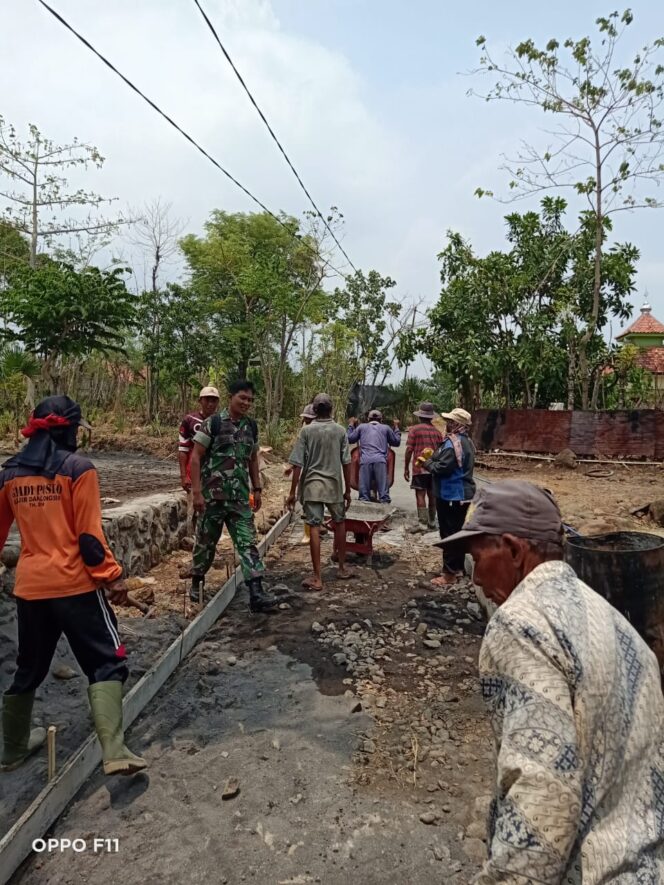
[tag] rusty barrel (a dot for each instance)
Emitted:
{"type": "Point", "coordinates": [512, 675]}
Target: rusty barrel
{"type": "Point", "coordinates": [627, 569]}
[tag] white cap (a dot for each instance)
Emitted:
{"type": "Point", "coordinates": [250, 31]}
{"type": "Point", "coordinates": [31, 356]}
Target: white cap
{"type": "Point", "coordinates": [209, 391]}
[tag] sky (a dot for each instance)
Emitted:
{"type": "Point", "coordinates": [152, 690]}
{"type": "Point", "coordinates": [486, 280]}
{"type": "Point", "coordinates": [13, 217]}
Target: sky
{"type": "Point", "coordinates": [369, 98]}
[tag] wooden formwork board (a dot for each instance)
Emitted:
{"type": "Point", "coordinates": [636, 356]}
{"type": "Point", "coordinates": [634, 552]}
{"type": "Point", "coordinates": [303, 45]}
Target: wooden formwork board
{"type": "Point", "coordinates": [45, 809]}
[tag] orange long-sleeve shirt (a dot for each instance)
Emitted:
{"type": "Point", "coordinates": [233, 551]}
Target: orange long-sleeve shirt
{"type": "Point", "coordinates": [63, 548]}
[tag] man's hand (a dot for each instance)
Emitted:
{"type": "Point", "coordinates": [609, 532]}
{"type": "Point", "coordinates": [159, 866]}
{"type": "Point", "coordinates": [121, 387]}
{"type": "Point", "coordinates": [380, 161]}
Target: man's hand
{"type": "Point", "coordinates": [185, 483]}
{"type": "Point", "coordinates": [347, 499]}
{"type": "Point", "coordinates": [199, 502]}
{"type": "Point", "coordinates": [353, 422]}
{"type": "Point", "coordinates": [288, 470]}
{"type": "Point", "coordinates": [116, 592]}
{"type": "Point", "coordinates": [258, 500]}
{"type": "Point", "coordinates": [290, 501]}
{"type": "Point", "coordinates": [406, 474]}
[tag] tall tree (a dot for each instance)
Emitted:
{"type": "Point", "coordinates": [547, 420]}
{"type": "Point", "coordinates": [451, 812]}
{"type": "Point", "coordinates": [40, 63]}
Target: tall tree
{"type": "Point", "coordinates": [609, 142]}
{"type": "Point", "coordinates": [38, 198]}
{"type": "Point", "coordinates": [374, 320]}
{"type": "Point", "coordinates": [263, 282]}
{"type": "Point", "coordinates": [156, 233]}
{"type": "Point", "coordinates": [176, 336]}
{"type": "Point", "coordinates": [55, 312]}
{"type": "Point", "coordinates": [507, 325]}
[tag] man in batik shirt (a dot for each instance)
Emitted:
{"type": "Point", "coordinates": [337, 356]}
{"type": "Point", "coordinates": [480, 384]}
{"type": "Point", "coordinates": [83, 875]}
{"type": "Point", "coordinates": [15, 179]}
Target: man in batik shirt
{"type": "Point", "coordinates": [576, 706]}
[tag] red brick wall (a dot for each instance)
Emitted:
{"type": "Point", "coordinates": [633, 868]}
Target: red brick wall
{"type": "Point", "coordinates": [632, 435]}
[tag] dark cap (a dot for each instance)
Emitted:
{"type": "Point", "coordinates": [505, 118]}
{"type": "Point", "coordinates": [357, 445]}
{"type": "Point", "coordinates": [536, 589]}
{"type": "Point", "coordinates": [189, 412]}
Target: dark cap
{"type": "Point", "coordinates": [375, 415]}
{"type": "Point", "coordinates": [512, 507]}
{"type": "Point", "coordinates": [426, 410]}
{"type": "Point", "coordinates": [321, 399]}
{"type": "Point", "coordinates": [308, 411]}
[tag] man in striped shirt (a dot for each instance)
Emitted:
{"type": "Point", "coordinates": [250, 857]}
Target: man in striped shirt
{"type": "Point", "coordinates": [423, 439]}
{"type": "Point", "coordinates": [208, 400]}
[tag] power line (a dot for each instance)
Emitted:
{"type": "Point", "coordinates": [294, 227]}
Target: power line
{"type": "Point", "coordinates": [271, 131]}
{"type": "Point", "coordinates": [186, 135]}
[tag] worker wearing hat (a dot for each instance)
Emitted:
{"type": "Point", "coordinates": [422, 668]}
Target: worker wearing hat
{"type": "Point", "coordinates": [64, 573]}
{"type": "Point", "coordinates": [208, 403]}
{"type": "Point", "coordinates": [574, 697]}
{"type": "Point", "coordinates": [423, 440]}
{"type": "Point", "coordinates": [454, 487]}
{"type": "Point", "coordinates": [307, 415]}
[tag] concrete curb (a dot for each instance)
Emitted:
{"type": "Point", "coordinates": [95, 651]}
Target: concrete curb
{"type": "Point", "coordinates": [42, 813]}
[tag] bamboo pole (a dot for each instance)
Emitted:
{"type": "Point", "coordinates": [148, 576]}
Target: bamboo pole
{"type": "Point", "coordinates": [50, 743]}
{"type": "Point", "coordinates": [578, 460]}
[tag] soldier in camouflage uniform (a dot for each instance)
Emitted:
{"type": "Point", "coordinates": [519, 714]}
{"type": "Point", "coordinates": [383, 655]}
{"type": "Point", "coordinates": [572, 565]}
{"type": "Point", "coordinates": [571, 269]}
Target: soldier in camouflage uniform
{"type": "Point", "coordinates": [224, 460]}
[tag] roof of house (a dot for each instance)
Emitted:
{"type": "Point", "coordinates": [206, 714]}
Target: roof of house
{"type": "Point", "coordinates": [645, 325]}
{"type": "Point", "coordinates": [651, 359]}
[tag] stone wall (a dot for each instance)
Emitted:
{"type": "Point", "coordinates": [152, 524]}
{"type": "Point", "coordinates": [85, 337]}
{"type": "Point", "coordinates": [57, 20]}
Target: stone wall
{"type": "Point", "coordinates": [140, 532]}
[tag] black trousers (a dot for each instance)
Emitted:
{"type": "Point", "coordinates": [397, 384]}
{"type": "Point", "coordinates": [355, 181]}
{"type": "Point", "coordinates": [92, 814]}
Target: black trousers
{"type": "Point", "coordinates": [451, 517]}
{"type": "Point", "coordinates": [91, 628]}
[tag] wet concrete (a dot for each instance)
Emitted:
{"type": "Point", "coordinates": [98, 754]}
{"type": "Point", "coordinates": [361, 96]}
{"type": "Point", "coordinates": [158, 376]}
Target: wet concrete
{"type": "Point", "coordinates": [298, 818]}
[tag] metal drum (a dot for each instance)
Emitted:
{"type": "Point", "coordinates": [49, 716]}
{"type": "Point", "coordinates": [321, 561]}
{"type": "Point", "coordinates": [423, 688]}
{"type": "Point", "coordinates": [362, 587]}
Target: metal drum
{"type": "Point", "coordinates": [627, 569]}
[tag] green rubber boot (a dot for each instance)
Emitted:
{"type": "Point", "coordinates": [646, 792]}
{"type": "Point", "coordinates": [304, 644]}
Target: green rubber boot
{"type": "Point", "coordinates": [423, 516]}
{"type": "Point", "coordinates": [106, 704]}
{"type": "Point", "coordinates": [19, 740]}
{"type": "Point", "coordinates": [433, 522]}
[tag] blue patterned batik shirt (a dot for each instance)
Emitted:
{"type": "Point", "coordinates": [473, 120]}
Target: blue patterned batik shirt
{"type": "Point", "coordinates": [576, 706]}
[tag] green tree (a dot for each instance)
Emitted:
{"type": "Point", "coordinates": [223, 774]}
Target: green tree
{"type": "Point", "coordinates": [263, 282]}
{"type": "Point", "coordinates": [57, 312]}
{"type": "Point", "coordinates": [18, 371]}
{"type": "Point", "coordinates": [14, 252]}
{"type": "Point", "coordinates": [609, 141]}
{"type": "Point", "coordinates": [365, 309]}
{"type": "Point", "coordinates": [507, 326]}
{"type": "Point", "coordinates": [176, 337]}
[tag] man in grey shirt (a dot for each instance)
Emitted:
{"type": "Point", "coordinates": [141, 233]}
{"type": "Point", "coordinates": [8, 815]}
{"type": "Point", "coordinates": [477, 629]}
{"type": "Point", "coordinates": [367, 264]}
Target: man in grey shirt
{"type": "Point", "coordinates": [321, 470]}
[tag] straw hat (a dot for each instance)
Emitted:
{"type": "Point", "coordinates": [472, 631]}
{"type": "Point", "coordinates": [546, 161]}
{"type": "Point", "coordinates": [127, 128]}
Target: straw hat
{"type": "Point", "coordinates": [461, 416]}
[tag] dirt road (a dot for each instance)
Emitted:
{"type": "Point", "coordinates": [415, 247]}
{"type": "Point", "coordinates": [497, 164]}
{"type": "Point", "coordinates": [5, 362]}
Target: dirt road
{"type": "Point", "coordinates": [351, 719]}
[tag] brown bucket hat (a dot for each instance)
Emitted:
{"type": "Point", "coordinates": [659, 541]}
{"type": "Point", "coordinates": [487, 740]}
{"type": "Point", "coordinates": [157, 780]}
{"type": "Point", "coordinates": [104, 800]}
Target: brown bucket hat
{"type": "Point", "coordinates": [426, 410]}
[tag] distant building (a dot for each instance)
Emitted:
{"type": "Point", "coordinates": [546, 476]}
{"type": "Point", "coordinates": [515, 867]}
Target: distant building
{"type": "Point", "coordinates": [647, 333]}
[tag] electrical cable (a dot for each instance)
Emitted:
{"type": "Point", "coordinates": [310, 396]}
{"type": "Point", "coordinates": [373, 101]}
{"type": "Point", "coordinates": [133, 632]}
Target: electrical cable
{"type": "Point", "coordinates": [271, 131]}
{"type": "Point", "coordinates": [186, 135]}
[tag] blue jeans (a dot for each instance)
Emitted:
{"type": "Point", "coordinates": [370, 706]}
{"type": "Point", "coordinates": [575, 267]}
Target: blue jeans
{"type": "Point", "coordinates": [374, 475]}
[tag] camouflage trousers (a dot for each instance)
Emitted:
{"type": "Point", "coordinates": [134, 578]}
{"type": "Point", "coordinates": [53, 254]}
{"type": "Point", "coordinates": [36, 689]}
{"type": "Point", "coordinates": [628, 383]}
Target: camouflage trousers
{"type": "Point", "coordinates": [239, 521]}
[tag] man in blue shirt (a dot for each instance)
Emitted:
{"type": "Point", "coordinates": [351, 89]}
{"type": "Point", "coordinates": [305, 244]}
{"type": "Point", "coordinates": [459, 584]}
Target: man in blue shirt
{"type": "Point", "coordinates": [452, 467]}
{"type": "Point", "coordinates": [375, 439]}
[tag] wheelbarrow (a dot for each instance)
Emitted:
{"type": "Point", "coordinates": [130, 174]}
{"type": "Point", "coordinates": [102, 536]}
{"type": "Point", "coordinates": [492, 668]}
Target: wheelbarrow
{"type": "Point", "coordinates": [362, 522]}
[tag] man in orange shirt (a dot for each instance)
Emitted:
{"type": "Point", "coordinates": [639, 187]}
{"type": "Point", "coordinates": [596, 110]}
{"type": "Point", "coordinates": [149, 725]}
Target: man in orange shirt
{"type": "Point", "coordinates": [65, 564]}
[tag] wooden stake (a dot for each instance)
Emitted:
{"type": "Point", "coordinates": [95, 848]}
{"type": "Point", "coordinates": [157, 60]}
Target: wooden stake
{"type": "Point", "coordinates": [50, 744]}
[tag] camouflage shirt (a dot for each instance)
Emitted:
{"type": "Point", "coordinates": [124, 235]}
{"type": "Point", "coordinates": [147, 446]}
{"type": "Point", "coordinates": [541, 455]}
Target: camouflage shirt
{"type": "Point", "coordinates": [225, 468]}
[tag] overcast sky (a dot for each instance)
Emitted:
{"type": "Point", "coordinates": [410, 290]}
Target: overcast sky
{"type": "Point", "coordinates": [366, 95]}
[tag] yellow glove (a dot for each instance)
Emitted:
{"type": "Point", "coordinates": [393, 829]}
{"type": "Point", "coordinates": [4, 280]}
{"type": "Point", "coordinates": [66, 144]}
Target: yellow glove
{"type": "Point", "coordinates": [426, 454]}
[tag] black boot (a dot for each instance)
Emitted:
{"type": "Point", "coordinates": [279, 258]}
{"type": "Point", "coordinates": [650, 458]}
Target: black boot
{"type": "Point", "coordinates": [259, 599]}
{"type": "Point", "coordinates": [197, 588]}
